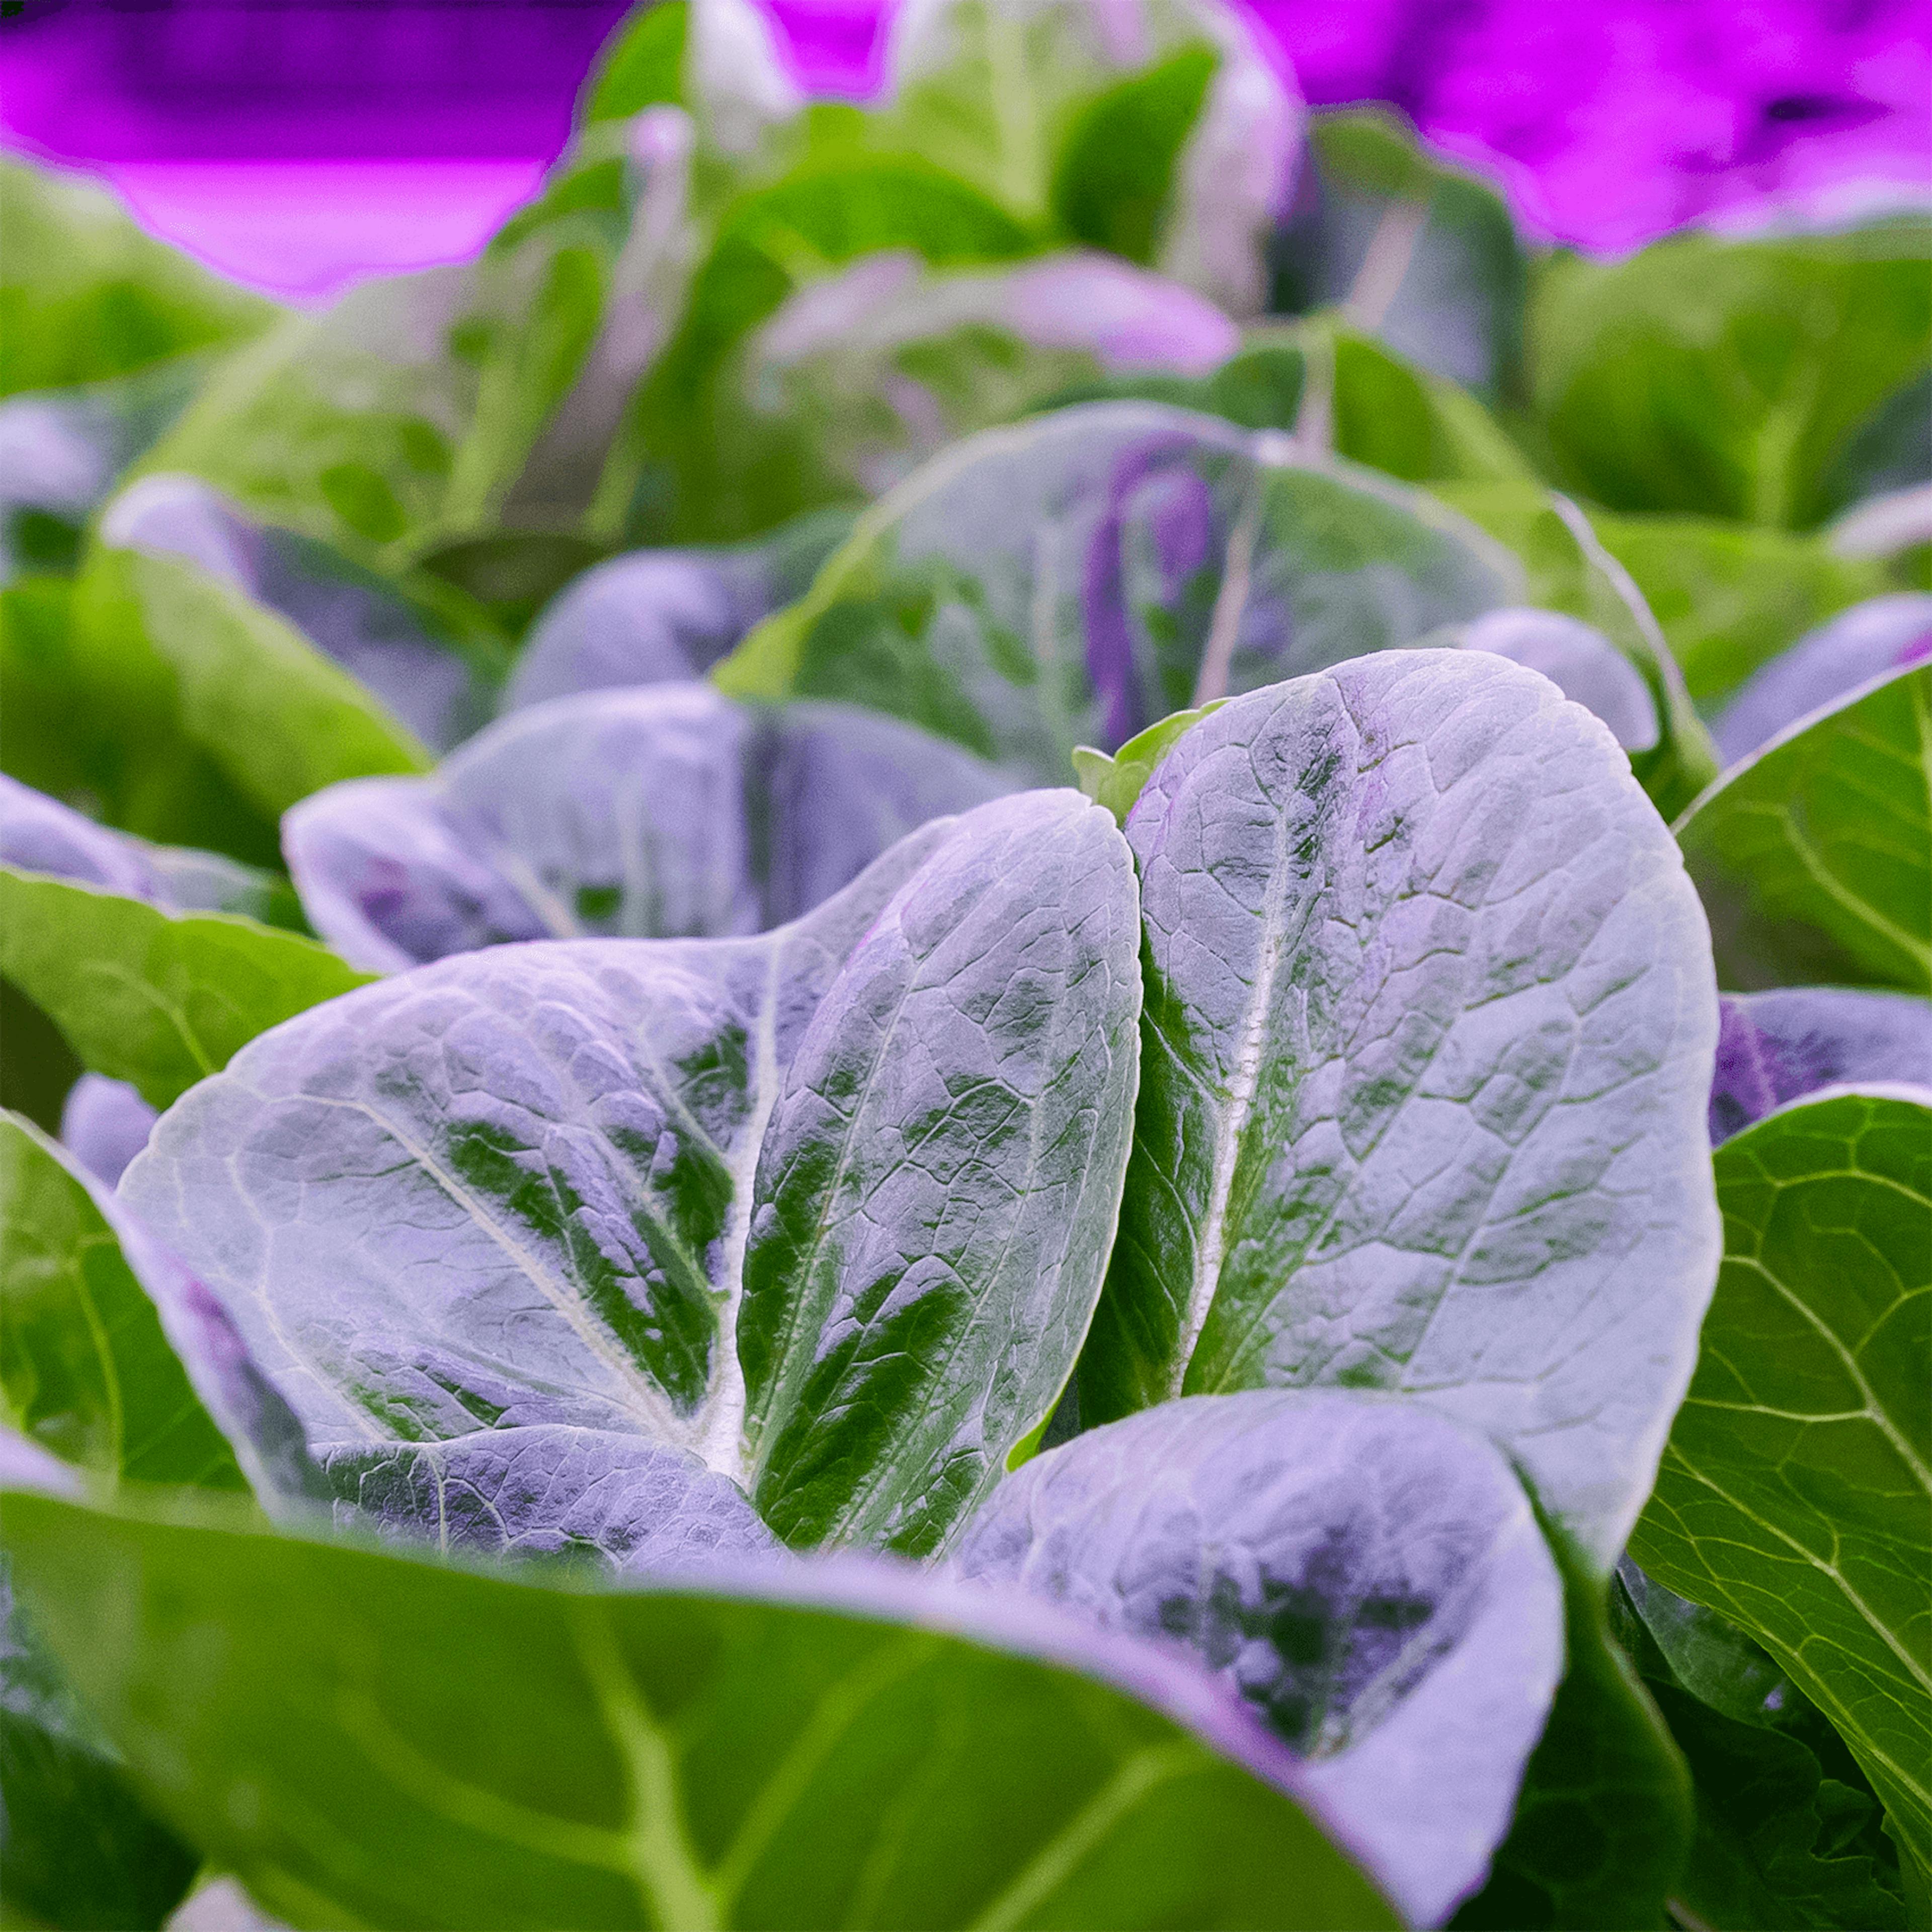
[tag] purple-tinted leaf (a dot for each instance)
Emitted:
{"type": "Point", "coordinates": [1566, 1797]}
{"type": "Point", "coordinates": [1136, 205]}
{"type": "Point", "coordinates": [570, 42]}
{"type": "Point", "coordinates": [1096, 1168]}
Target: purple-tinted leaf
{"type": "Point", "coordinates": [1368, 1575]}
{"type": "Point", "coordinates": [658, 616]}
{"type": "Point", "coordinates": [1881, 635]}
{"type": "Point", "coordinates": [1580, 661]}
{"type": "Point", "coordinates": [1076, 578]}
{"type": "Point", "coordinates": [1426, 1058]}
{"type": "Point", "coordinates": [104, 1124]}
{"type": "Point", "coordinates": [1780, 1045]}
{"type": "Point", "coordinates": [514, 1190]}
{"type": "Point", "coordinates": [666, 812]}
{"type": "Point", "coordinates": [383, 640]}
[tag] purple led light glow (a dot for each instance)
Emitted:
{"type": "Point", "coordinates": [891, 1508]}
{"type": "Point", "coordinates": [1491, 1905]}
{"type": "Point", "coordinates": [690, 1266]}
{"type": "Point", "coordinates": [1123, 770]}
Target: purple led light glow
{"type": "Point", "coordinates": [300, 146]}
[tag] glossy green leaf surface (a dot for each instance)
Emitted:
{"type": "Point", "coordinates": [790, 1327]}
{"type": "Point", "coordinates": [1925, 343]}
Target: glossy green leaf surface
{"type": "Point", "coordinates": [1717, 378]}
{"type": "Point", "coordinates": [1794, 1494]}
{"type": "Point", "coordinates": [1076, 579]}
{"type": "Point", "coordinates": [158, 998]}
{"type": "Point", "coordinates": [88, 1372]}
{"type": "Point", "coordinates": [1405, 963]}
{"type": "Point", "coordinates": [796, 1749]}
{"type": "Point", "coordinates": [1813, 856]}
{"type": "Point", "coordinates": [85, 295]}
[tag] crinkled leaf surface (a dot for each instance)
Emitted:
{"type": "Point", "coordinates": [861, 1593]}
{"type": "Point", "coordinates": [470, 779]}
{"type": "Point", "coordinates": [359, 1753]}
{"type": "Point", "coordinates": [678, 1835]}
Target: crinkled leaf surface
{"type": "Point", "coordinates": [1794, 1494]}
{"type": "Point", "coordinates": [1368, 1576]}
{"type": "Point", "coordinates": [1884, 633]}
{"type": "Point", "coordinates": [1569, 570]}
{"type": "Point", "coordinates": [1418, 253]}
{"type": "Point", "coordinates": [1730, 597]}
{"type": "Point", "coordinates": [1076, 579]}
{"type": "Point", "coordinates": [1788, 1831]}
{"type": "Point", "coordinates": [85, 295]}
{"type": "Point", "coordinates": [1778, 1046]}
{"type": "Point", "coordinates": [666, 812]}
{"type": "Point", "coordinates": [1813, 857]}
{"type": "Point", "coordinates": [1426, 1053]}
{"type": "Point", "coordinates": [1724, 378]}
{"type": "Point", "coordinates": [863, 377]}
{"type": "Point", "coordinates": [142, 993]}
{"type": "Point", "coordinates": [861, 1171]}
{"type": "Point", "coordinates": [87, 1370]}
{"type": "Point", "coordinates": [658, 616]}
{"type": "Point", "coordinates": [439, 684]}
{"type": "Point", "coordinates": [842, 1747]}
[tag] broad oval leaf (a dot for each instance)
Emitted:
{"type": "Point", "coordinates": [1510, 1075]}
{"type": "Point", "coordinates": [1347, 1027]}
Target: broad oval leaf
{"type": "Point", "coordinates": [104, 1124]}
{"type": "Point", "coordinates": [1076, 579]}
{"type": "Point", "coordinates": [838, 1746]}
{"type": "Point", "coordinates": [1796, 1491]}
{"type": "Point", "coordinates": [1814, 856]}
{"type": "Point", "coordinates": [656, 616]}
{"type": "Point", "coordinates": [1426, 1054]}
{"type": "Point", "coordinates": [1580, 661]}
{"type": "Point", "coordinates": [438, 684]}
{"type": "Point", "coordinates": [1368, 1576]}
{"type": "Point", "coordinates": [1778, 1046]}
{"type": "Point", "coordinates": [667, 812]}
{"type": "Point", "coordinates": [583, 1138]}
{"type": "Point", "coordinates": [1882, 634]}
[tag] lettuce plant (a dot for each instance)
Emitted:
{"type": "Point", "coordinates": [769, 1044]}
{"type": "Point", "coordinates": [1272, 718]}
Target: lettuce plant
{"type": "Point", "coordinates": [682, 1286]}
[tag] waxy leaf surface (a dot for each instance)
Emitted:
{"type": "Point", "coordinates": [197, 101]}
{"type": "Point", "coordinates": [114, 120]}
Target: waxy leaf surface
{"type": "Point", "coordinates": [1076, 579]}
{"type": "Point", "coordinates": [1794, 1495]}
{"type": "Point", "coordinates": [1368, 1576]}
{"type": "Point", "coordinates": [1426, 1054]}
{"type": "Point", "coordinates": [846, 1747]}
{"type": "Point", "coordinates": [1813, 857]}
{"type": "Point", "coordinates": [665, 812]}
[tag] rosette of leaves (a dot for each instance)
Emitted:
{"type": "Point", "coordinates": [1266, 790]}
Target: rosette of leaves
{"type": "Point", "coordinates": [1075, 579]}
{"type": "Point", "coordinates": [666, 812]}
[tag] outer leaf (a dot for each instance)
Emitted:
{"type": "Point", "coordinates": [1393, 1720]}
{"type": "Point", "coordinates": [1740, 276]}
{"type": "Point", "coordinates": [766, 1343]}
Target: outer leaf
{"type": "Point", "coordinates": [1814, 856]}
{"type": "Point", "coordinates": [160, 999]}
{"type": "Point", "coordinates": [1370, 1577]}
{"type": "Point", "coordinates": [1730, 597]}
{"type": "Point", "coordinates": [1884, 634]}
{"type": "Point", "coordinates": [661, 813]}
{"type": "Point", "coordinates": [1427, 1051]}
{"type": "Point", "coordinates": [850, 1748]}
{"type": "Point", "coordinates": [860, 378]}
{"type": "Point", "coordinates": [659, 616]}
{"type": "Point", "coordinates": [104, 1124]}
{"type": "Point", "coordinates": [1727, 378]}
{"type": "Point", "coordinates": [571, 1132]}
{"type": "Point", "coordinates": [1076, 579]}
{"type": "Point", "coordinates": [1580, 661]}
{"type": "Point", "coordinates": [439, 683]}
{"type": "Point", "coordinates": [85, 296]}
{"type": "Point", "coordinates": [1779, 1046]}
{"type": "Point", "coordinates": [1420, 253]}
{"type": "Point", "coordinates": [1794, 1495]}
{"type": "Point", "coordinates": [1570, 571]}
{"type": "Point", "coordinates": [88, 1373]}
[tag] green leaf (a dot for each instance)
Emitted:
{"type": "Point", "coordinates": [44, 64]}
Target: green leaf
{"type": "Point", "coordinates": [160, 999]}
{"type": "Point", "coordinates": [770, 242]}
{"type": "Point", "coordinates": [1604, 1823]}
{"type": "Point", "coordinates": [1715, 378]}
{"type": "Point", "coordinates": [88, 1372]}
{"type": "Point", "coordinates": [640, 65]}
{"type": "Point", "coordinates": [816, 1748]}
{"type": "Point", "coordinates": [1569, 570]}
{"type": "Point", "coordinates": [1412, 250]}
{"type": "Point", "coordinates": [1729, 598]}
{"type": "Point", "coordinates": [83, 1849]}
{"type": "Point", "coordinates": [181, 673]}
{"type": "Point", "coordinates": [1425, 1060]}
{"type": "Point", "coordinates": [1116, 781]}
{"type": "Point", "coordinates": [1794, 1495]}
{"type": "Point", "coordinates": [1814, 855]}
{"type": "Point", "coordinates": [1081, 576]}
{"type": "Point", "coordinates": [85, 295]}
